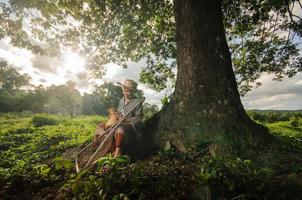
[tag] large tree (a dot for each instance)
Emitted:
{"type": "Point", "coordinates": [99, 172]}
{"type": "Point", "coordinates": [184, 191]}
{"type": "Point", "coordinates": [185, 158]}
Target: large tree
{"type": "Point", "coordinates": [190, 35]}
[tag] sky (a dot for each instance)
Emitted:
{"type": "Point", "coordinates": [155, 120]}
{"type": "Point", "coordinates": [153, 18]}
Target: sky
{"type": "Point", "coordinates": [70, 66]}
{"type": "Point", "coordinates": [276, 95]}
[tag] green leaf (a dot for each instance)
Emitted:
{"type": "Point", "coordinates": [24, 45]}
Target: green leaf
{"type": "Point", "coordinates": [75, 188]}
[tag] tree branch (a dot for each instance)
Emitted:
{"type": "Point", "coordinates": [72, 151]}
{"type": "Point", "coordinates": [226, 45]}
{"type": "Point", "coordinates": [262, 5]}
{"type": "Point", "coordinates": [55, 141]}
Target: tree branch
{"type": "Point", "coordinates": [296, 16]}
{"type": "Point", "coordinates": [275, 26]}
{"type": "Point", "coordinates": [291, 15]}
{"type": "Point", "coordinates": [300, 4]}
{"type": "Point", "coordinates": [92, 53]}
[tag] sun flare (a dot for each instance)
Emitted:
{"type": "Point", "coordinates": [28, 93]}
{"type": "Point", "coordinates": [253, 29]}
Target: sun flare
{"type": "Point", "coordinates": [72, 62]}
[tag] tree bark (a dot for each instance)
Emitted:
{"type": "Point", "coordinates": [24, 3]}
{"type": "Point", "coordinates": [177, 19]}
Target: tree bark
{"type": "Point", "coordinates": [206, 106]}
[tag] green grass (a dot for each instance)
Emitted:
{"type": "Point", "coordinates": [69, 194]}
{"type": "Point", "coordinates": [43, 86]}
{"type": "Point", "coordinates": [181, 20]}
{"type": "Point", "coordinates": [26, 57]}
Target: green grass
{"type": "Point", "coordinates": [31, 155]}
{"type": "Point", "coordinates": [287, 132]}
{"type": "Point", "coordinates": [24, 146]}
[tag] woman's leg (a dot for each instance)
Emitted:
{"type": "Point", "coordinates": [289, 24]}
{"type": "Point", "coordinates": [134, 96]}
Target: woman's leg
{"type": "Point", "coordinates": [118, 141]}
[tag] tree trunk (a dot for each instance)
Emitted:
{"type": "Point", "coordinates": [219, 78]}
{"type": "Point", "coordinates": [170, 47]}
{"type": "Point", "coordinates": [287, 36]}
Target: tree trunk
{"type": "Point", "coordinates": [206, 106]}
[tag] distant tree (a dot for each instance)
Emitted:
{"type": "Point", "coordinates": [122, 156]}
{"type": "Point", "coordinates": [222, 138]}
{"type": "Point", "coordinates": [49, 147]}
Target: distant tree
{"type": "Point", "coordinates": [11, 83]}
{"type": "Point", "coordinates": [7, 102]}
{"type": "Point", "coordinates": [68, 97]}
{"type": "Point", "coordinates": [10, 79]}
{"type": "Point", "coordinates": [36, 100]}
{"type": "Point", "coordinates": [109, 94]}
{"type": "Point", "coordinates": [92, 104]}
{"type": "Point", "coordinates": [103, 97]}
{"type": "Point", "coordinates": [271, 117]}
{"type": "Point", "coordinates": [295, 122]}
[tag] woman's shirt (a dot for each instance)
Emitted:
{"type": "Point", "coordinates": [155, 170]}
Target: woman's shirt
{"type": "Point", "coordinates": [136, 114]}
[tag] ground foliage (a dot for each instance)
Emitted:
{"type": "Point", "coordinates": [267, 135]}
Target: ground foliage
{"type": "Point", "coordinates": [36, 162]}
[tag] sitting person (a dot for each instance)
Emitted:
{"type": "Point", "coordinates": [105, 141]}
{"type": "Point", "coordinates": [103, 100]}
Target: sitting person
{"type": "Point", "coordinates": [113, 118]}
{"type": "Point", "coordinates": [130, 130]}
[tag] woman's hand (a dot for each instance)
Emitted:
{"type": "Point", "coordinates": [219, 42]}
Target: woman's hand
{"type": "Point", "coordinates": [102, 125]}
{"type": "Point", "coordinates": [120, 116]}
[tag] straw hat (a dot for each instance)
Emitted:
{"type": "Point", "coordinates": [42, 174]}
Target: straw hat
{"type": "Point", "coordinates": [129, 84]}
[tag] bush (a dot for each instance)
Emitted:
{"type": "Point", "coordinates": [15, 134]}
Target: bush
{"type": "Point", "coordinates": [294, 122]}
{"type": "Point", "coordinates": [22, 130]}
{"type": "Point", "coordinates": [230, 176]}
{"type": "Point", "coordinates": [42, 120]}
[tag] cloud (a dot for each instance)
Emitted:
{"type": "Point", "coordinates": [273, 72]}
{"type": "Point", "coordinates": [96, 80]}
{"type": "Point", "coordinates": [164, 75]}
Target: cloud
{"type": "Point", "coordinates": [15, 56]}
{"type": "Point", "coordinates": [46, 63]}
{"type": "Point", "coordinates": [299, 83]}
{"type": "Point", "coordinates": [286, 94]}
{"type": "Point", "coordinates": [82, 80]}
{"type": "Point", "coordinates": [4, 44]}
{"type": "Point", "coordinates": [82, 84]}
{"type": "Point", "coordinates": [82, 75]}
{"type": "Point", "coordinates": [42, 80]}
{"type": "Point", "coordinates": [116, 73]}
{"type": "Point", "coordinates": [287, 85]}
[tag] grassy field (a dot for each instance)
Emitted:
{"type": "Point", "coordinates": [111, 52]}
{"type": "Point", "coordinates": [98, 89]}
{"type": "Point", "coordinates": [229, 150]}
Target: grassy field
{"type": "Point", "coordinates": [31, 165]}
{"type": "Point", "coordinates": [30, 145]}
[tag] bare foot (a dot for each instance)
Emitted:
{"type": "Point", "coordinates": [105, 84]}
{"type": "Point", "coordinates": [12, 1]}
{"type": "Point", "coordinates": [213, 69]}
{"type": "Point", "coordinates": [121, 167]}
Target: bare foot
{"type": "Point", "coordinates": [117, 152]}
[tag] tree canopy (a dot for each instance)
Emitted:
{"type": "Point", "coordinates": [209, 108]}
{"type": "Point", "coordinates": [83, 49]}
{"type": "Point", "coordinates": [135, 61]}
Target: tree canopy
{"type": "Point", "coordinates": [263, 35]}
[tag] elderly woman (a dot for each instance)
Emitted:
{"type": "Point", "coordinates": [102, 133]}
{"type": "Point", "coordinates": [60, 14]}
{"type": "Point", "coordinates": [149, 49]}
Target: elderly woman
{"type": "Point", "coordinates": [130, 129]}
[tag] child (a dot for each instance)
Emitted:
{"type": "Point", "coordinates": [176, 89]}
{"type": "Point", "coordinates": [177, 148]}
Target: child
{"type": "Point", "coordinates": [113, 118]}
